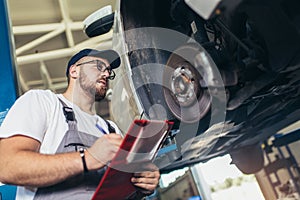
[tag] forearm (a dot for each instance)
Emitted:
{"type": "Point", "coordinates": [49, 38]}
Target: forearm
{"type": "Point", "coordinates": [21, 164]}
{"type": "Point", "coordinates": [33, 169]}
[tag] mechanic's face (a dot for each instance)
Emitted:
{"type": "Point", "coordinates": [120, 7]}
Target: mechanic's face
{"type": "Point", "coordinates": [93, 77]}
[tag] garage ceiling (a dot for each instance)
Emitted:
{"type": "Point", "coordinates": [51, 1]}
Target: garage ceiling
{"type": "Point", "coordinates": [46, 33]}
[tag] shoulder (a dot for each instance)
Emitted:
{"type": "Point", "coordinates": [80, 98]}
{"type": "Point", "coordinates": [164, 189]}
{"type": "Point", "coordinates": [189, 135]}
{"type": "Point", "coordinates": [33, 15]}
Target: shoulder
{"type": "Point", "coordinates": [38, 95]}
{"type": "Point", "coordinates": [38, 98]}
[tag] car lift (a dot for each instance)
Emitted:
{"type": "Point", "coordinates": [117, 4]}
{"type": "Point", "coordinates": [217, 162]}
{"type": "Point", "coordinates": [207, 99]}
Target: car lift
{"type": "Point", "coordinates": [284, 160]}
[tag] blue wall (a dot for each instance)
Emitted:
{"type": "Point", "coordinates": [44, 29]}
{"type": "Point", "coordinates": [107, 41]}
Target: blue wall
{"type": "Point", "coordinates": [8, 84]}
{"type": "Point", "coordinates": [7, 192]}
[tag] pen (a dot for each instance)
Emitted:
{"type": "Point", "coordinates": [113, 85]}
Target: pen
{"type": "Point", "coordinates": [101, 129]}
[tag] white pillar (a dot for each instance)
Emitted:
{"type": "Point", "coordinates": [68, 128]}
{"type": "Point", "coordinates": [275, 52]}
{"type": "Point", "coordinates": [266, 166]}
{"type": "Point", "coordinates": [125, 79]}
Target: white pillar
{"type": "Point", "coordinates": [202, 186]}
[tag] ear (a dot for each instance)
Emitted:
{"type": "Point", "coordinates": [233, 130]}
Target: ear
{"type": "Point", "coordinates": [74, 71]}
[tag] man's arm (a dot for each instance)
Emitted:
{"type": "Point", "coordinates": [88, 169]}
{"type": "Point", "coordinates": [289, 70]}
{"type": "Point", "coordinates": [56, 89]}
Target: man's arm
{"type": "Point", "coordinates": [21, 164]}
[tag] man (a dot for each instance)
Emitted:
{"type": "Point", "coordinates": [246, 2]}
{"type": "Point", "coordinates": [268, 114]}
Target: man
{"type": "Point", "coordinates": [55, 146]}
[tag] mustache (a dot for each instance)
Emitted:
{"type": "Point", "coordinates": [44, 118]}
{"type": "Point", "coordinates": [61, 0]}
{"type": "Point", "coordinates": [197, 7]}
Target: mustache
{"type": "Point", "coordinates": [102, 79]}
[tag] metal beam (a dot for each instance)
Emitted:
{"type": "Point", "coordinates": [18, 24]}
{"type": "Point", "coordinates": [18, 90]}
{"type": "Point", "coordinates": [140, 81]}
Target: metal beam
{"type": "Point", "coordinates": [46, 32]}
{"type": "Point", "coordinates": [39, 40]}
{"type": "Point", "coordinates": [45, 76]}
{"type": "Point", "coordinates": [61, 53]}
{"type": "Point", "coordinates": [66, 20]}
{"type": "Point", "coordinates": [42, 28]}
{"type": "Point", "coordinates": [23, 84]}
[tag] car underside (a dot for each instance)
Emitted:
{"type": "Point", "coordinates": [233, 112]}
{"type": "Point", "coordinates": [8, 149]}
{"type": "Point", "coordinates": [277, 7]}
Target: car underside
{"type": "Point", "coordinates": [229, 81]}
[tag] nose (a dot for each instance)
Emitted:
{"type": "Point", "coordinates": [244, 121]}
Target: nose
{"type": "Point", "coordinates": [106, 73]}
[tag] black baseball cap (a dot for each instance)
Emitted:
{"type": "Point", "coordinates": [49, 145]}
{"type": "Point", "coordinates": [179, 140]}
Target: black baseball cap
{"type": "Point", "coordinates": [112, 56]}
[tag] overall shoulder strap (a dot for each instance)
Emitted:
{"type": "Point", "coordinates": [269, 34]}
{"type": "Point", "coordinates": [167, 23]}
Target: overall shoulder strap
{"type": "Point", "coordinates": [68, 112]}
{"type": "Point", "coordinates": [70, 116]}
{"type": "Point", "coordinates": [111, 129]}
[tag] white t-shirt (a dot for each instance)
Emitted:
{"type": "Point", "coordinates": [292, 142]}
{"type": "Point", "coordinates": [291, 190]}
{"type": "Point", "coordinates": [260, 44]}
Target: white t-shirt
{"type": "Point", "coordinates": [39, 114]}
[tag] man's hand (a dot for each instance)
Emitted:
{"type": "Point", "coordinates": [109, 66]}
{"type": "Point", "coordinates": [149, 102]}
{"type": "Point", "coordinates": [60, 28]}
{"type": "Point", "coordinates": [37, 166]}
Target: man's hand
{"type": "Point", "coordinates": [103, 150]}
{"type": "Point", "coordinates": [147, 180]}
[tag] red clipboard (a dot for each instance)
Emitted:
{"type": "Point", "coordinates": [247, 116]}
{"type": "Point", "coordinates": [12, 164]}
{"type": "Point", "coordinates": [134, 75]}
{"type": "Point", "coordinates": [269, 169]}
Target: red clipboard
{"type": "Point", "coordinates": [140, 145]}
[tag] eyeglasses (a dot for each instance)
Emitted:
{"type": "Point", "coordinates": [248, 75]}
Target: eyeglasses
{"type": "Point", "coordinates": [101, 66]}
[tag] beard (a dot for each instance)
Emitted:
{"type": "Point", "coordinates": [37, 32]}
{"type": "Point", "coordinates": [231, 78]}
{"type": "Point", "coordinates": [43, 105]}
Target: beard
{"type": "Point", "coordinates": [92, 89]}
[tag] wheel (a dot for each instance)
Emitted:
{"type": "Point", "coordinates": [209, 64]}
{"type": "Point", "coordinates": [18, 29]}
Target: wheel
{"type": "Point", "coordinates": [185, 94]}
